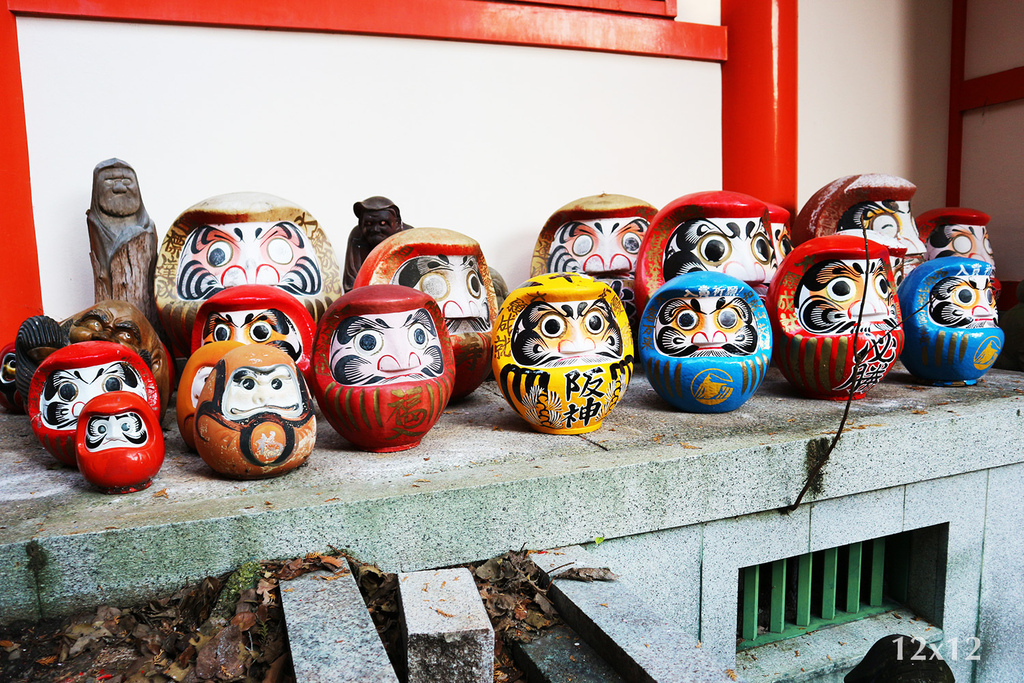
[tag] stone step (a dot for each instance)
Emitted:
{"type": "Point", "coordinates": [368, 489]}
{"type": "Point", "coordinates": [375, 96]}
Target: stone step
{"type": "Point", "coordinates": [639, 645]}
{"type": "Point", "coordinates": [447, 635]}
{"type": "Point", "coordinates": [559, 655]}
{"type": "Point", "coordinates": [331, 634]}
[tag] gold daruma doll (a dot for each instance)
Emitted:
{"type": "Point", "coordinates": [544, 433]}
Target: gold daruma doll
{"type": "Point", "coordinates": [563, 352]}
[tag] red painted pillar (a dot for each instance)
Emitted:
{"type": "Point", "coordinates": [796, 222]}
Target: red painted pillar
{"type": "Point", "coordinates": [759, 100]}
{"type": "Point", "coordinates": [20, 295]}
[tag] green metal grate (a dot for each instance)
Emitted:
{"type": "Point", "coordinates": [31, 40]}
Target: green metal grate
{"type": "Point", "coordinates": [797, 595]}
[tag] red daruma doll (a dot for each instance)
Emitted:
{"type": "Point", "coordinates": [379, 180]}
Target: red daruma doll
{"type": "Point", "coordinates": [71, 377]}
{"type": "Point", "coordinates": [383, 366]}
{"type": "Point", "coordinates": [119, 444]}
{"type": "Point", "coordinates": [835, 316]}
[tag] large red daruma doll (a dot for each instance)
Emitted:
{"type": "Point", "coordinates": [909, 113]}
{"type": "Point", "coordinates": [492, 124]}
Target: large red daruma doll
{"type": "Point", "coordinates": [718, 231]}
{"type": "Point", "coordinates": [119, 443]}
{"type": "Point", "coordinates": [814, 303]}
{"type": "Point", "coordinates": [74, 375]}
{"type": "Point", "coordinates": [450, 267]}
{"type": "Point", "coordinates": [383, 366]}
{"type": "Point", "coordinates": [257, 314]}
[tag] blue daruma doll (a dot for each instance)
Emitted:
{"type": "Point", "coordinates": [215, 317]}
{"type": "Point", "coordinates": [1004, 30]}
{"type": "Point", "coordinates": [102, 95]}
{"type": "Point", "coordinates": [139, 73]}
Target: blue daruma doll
{"type": "Point", "coordinates": [705, 342]}
{"type": "Point", "coordinates": [952, 332]}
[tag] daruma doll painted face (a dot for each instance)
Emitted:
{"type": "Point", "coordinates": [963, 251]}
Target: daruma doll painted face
{"type": "Point", "coordinates": [193, 379]}
{"type": "Point", "coordinates": [236, 239]}
{"type": "Point", "coordinates": [705, 342]}
{"type": "Point", "coordinates": [563, 352]}
{"type": "Point", "coordinates": [953, 337]}
{"type": "Point", "coordinates": [874, 204]}
{"type": "Point", "coordinates": [782, 238]}
{"type": "Point", "coordinates": [599, 236]}
{"type": "Point", "coordinates": [724, 232]}
{"type": "Point", "coordinates": [814, 304]}
{"type": "Point", "coordinates": [956, 231]}
{"type": "Point", "coordinates": [10, 399]}
{"type": "Point", "coordinates": [449, 267]}
{"type": "Point", "coordinates": [72, 376]}
{"type": "Point", "coordinates": [119, 443]}
{"type": "Point", "coordinates": [255, 418]}
{"type": "Point", "coordinates": [383, 366]}
{"type": "Point", "coordinates": [257, 314]}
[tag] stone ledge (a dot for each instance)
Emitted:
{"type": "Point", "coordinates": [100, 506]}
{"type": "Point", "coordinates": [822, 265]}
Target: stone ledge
{"type": "Point", "coordinates": [480, 483]}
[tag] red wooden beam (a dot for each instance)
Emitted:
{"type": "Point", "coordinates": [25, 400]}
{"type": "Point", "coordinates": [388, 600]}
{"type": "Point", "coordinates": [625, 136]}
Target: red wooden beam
{"type": "Point", "coordinates": [997, 88]}
{"type": "Point", "coordinates": [465, 20]}
{"type": "Point", "coordinates": [20, 295]}
{"type": "Point", "coordinates": [955, 134]}
{"type": "Point", "coordinates": [759, 100]}
{"type": "Point", "coordinates": [658, 8]}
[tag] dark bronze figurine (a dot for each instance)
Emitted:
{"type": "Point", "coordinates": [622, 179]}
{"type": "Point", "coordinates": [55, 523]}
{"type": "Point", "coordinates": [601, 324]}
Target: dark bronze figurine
{"type": "Point", "coordinates": [378, 218]}
{"type": "Point", "coordinates": [122, 238]}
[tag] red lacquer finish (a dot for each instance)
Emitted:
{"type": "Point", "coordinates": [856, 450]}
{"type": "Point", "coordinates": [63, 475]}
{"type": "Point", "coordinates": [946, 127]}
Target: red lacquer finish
{"type": "Point", "coordinates": [20, 275]}
{"type": "Point", "coordinates": [10, 399]}
{"type": "Point", "coordinates": [759, 100]}
{"type": "Point", "coordinates": [466, 20]}
{"type": "Point", "coordinates": [822, 365]}
{"type": "Point", "coordinates": [70, 377]}
{"type": "Point", "coordinates": [469, 313]}
{"type": "Point", "coordinates": [119, 443]}
{"type": "Point", "coordinates": [381, 413]}
{"type": "Point", "coordinates": [257, 314]}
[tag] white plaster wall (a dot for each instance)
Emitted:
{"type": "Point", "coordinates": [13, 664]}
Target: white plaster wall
{"type": "Point", "coordinates": [995, 37]}
{"type": "Point", "coordinates": [488, 140]}
{"type": "Point", "coordinates": [874, 93]}
{"type": "Point", "coordinates": [992, 180]}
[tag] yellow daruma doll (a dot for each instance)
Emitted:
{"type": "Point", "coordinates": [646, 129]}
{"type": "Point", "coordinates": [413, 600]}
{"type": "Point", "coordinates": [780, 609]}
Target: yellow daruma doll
{"type": "Point", "coordinates": [563, 352]}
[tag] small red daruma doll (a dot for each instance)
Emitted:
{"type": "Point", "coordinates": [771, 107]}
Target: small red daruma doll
{"type": "Point", "coordinates": [257, 314]}
{"type": "Point", "coordinates": [119, 444]}
{"type": "Point", "coordinates": [450, 267]}
{"type": "Point", "coordinates": [384, 367]}
{"type": "Point", "coordinates": [255, 418]}
{"type": "Point", "coordinates": [814, 304]}
{"type": "Point", "coordinates": [10, 399]}
{"type": "Point", "coordinates": [72, 376]}
{"type": "Point", "coordinates": [193, 379]}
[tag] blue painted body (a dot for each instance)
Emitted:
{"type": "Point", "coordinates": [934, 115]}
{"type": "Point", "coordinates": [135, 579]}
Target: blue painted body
{"type": "Point", "coordinates": [936, 353]}
{"type": "Point", "coordinates": [705, 384]}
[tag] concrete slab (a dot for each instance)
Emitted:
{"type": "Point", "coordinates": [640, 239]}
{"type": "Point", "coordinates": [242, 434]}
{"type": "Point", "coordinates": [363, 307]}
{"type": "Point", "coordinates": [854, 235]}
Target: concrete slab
{"type": "Point", "coordinates": [640, 646]}
{"type": "Point", "coordinates": [877, 514]}
{"type": "Point", "coordinates": [331, 635]}
{"type": "Point", "coordinates": [559, 655]}
{"type": "Point", "coordinates": [447, 634]}
{"type": "Point", "coordinates": [482, 483]}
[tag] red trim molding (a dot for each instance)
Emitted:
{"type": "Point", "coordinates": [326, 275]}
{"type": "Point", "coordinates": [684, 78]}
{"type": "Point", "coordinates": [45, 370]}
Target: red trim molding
{"type": "Point", "coordinates": [997, 88]}
{"type": "Point", "coordinates": [466, 20]}
{"type": "Point", "coordinates": [657, 8]}
{"type": "Point", "coordinates": [19, 276]}
{"type": "Point", "coordinates": [759, 100]}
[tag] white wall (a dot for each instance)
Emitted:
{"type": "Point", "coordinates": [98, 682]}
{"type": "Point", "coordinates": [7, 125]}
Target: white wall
{"type": "Point", "coordinates": [874, 93]}
{"type": "Point", "coordinates": [488, 140]}
{"type": "Point", "coordinates": [992, 173]}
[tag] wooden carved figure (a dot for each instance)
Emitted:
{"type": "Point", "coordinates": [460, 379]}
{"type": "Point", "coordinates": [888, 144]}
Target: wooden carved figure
{"type": "Point", "coordinates": [599, 236]}
{"type": "Point", "coordinates": [114, 321]}
{"type": "Point", "coordinates": [705, 342]}
{"type": "Point", "coordinates": [193, 379]}
{"type": "Point", "coordinates": [725, 232]}
{"type": "Point", "coordinates": [122, 238]}
{"type": "Point", "coordinates": [254, 418]}
{"type": "Point", "coordinates": [563, 352]}
{"type": "Point", "coordinates": [379, 218]}
{"type": "Point", "coordinates": [10, 398]}
{"type": "Point", "coordinates": [71, 377]}
{"type": "Point", "coordinates": [237, 239]}
{"type": "Point", "coordinates": [257, 314]}
{"type": "Point", "coordinates": [119, 443]}
{"type": "Point", "coordinates": [451, 268]}
{"type": "Point", "coordinates": [814, 305]}
{"type": "Point", "coordinates": [782, 238]}
{"type": "Point", "coordinates": [384, 366]}
{"type": "Point", "coordinates": [874, 204]}
{"type": "Point", "coordinates": [952, 330]}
